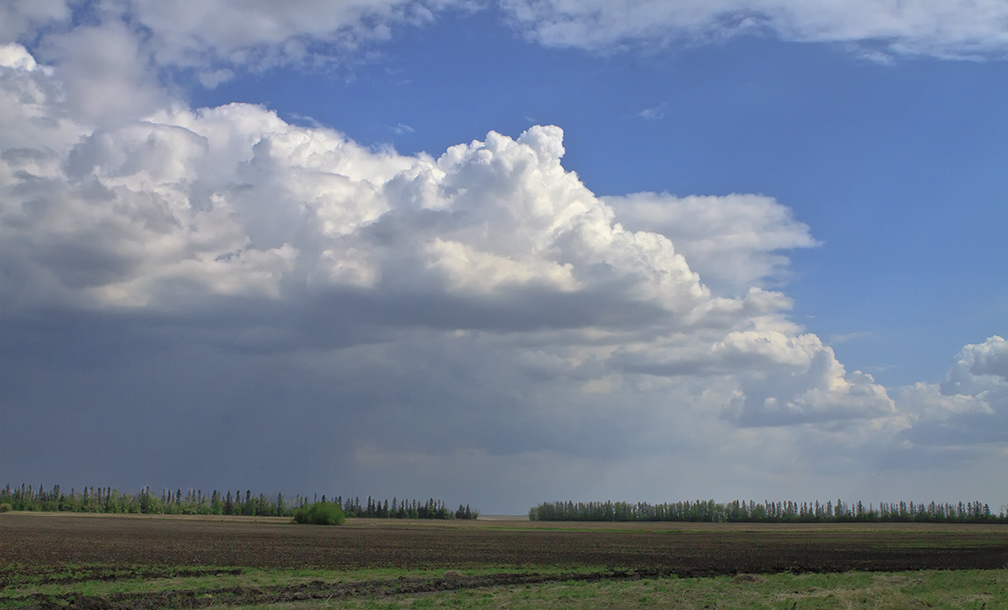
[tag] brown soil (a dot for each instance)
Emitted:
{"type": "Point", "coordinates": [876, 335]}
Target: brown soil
{"type": "Point", "coordinates": [31, 539]}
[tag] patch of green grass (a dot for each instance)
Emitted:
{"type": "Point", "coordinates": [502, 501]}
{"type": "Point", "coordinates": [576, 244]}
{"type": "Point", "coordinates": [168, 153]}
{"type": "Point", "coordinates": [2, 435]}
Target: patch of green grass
{"type": "Point", "coordinates": [968, 589]}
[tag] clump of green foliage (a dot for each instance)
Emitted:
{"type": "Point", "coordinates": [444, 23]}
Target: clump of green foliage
{"type": "Point", "coordinates": [5, 507]}
{"type": "Point", "coordinates": [320, 513]}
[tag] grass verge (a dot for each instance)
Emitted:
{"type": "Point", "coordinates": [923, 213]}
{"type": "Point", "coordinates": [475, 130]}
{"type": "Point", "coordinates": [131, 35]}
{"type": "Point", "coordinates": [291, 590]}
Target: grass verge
{"type": "Point", "coordinates": [973, 589]}
{"type": "Point", "coordinates": [140, 587]}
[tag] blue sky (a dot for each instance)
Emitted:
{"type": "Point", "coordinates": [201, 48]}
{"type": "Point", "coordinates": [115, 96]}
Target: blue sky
{"type": "Point", "coordinates": [236, 245]}
{"type": "Point", "coordinates": [898, 167]}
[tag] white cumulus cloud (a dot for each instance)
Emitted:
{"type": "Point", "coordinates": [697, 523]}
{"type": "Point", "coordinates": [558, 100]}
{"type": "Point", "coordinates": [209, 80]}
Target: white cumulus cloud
{"type": "Point", "coordinates": [734, 241]}
{"type": "Point", "coordinates": [956, 28]}
{"type": "Point", "coordinates": [969, 408]}
{"type": "Point", "coordinates": [230, 32]}
{"type": "Point", "coordinates": [184, 206]}
{"type": "Point", "coordinates": [216, 37]}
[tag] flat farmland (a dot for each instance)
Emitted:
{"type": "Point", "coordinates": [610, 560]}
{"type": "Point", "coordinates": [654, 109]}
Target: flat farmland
{"type": "Point", "coordinates": [675, 548]}
{"type": "Point", "coordinates": [105, 561]}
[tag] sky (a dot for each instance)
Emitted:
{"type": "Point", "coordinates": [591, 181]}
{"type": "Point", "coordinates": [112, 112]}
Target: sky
{"type": "Point", "coordinates": [502, 252]}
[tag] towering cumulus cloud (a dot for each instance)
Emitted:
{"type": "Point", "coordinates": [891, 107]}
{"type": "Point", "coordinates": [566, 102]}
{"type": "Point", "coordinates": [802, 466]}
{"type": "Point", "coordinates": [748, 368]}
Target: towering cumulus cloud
{"type": "Point", "coordinates": [442, 320]}
{"type": "Point", "coordinates": [970, 408]}
{"type": "Point", "coordinates": [187, 205]}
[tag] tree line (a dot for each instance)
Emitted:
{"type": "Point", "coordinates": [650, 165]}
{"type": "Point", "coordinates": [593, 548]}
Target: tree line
{"type": "Point", "coordinates": [195, 502]}
{"type": "Point", "coordinates": [405, 509]}
{"type": "Point", "coordinates": [768, 512]}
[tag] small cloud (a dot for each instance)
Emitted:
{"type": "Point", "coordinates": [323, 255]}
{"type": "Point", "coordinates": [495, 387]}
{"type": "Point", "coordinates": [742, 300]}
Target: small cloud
{"type": "Point", "coordinates": [403, 128]}
{"type": "Point", "coordinates": [881, 368]}
{"type": "Point", "coordinates": [305, 120]}
{"type": "Point", "coordinates": [655, 113]}
{"type": "Point", "coordinates": [211, 80]}
{"type": "Point", "coordinates": [845, 337]}
{"type": "Point", "coordinates": [876, 55]}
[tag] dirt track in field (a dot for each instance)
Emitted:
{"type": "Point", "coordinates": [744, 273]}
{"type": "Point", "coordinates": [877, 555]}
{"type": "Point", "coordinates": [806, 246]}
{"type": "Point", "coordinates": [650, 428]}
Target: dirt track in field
{"type": "Point", "coordinates": [28, 539]}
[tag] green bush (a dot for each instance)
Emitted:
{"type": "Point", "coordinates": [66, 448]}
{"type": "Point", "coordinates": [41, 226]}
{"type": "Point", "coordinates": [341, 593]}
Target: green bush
{"type": "Point", "coordinates": [5, 507]}
{"type": "Point", "coordinates": [327, 513]}
{"type": "Point", "coordinates": [320, 513]}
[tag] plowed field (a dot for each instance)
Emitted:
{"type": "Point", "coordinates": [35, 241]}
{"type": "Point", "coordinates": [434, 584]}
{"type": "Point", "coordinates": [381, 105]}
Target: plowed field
{"type": "Point", "coordinates": [28, 540]}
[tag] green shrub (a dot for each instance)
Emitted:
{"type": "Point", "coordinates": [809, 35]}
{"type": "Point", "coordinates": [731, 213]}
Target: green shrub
{"type": "Point", "coordinates": [327, 513]}
{"type": "Point", "coordinates": [320, 513]}
{"type": "Point", "coordinates": [5, 507]}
